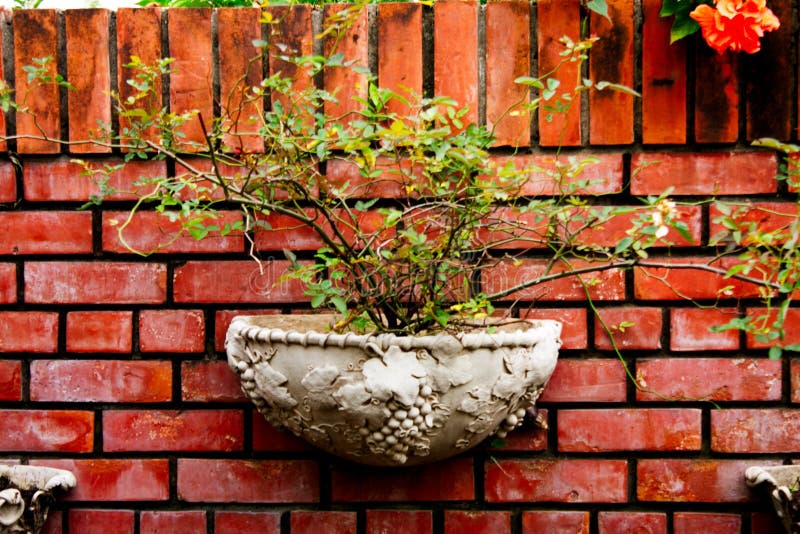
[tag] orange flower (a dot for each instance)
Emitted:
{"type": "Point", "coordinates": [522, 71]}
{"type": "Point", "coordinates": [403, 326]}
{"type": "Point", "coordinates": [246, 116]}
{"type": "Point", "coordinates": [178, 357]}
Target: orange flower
{"type": "Point", "coordinates": [735, 24]}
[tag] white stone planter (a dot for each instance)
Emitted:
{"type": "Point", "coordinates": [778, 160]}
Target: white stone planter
{"type": "Point", "coordinates": [782, 484]}
{"type": "Point", "coordinates": [26, 493]}
{"type": "Point", "coordinates": [389, 400]}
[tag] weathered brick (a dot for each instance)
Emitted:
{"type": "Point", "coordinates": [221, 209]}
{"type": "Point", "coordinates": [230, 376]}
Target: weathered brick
{"type": "Point", "coordinates": [527, 438]}
{"type": "Point", "coordinates": [100, 521]}
{"type": "Point", "coordinates": [713, 379]}
{"type": "Point", "coordinates": [765, 523]}
{"type": "Point", "coordinates": [716, 106]}
{"type": "Point", "coordinates": [169, 430]}
{"type": "Point", "coordinates": [772, 218]}
{"type": "Point", "coordinates": [240, 68]}
{"type": "Point", "coordinates": [95, 283]}
{"type": "Point", "coordinates": [99, 331]}
{"type": "Point", "coordinates": [235, 281]}
{"type": "Point", "coordinates": [54, 522]}
{"type": "Point", "coordinates": [209, 381]}
{"type": "Point", "coordinates": [67, 431]}
{"type": "Point", "coordinates": [8, 283]}
{"type": "Point", "coordinates": [63, 180]}
{"type": "Point", "coordinates": [352, 42]}
{"type": "Point", "coordinates": [717, 173]}
{"type": "Point", "coordinates": [116, 479]}
{"type": "Point", "coordinates": [400, 52]}
{"type": "Point", "coordinates": [640, 522]}
{"type": "Point", "coordinates": [267, 438]}
{"type": "Point", "coordinates": [599, 430]}
{"type": "Point", "coordinates": [631, 328]}
{"type": "Point", "coordinates": [455, 58]}
{"type": "Point", "coordinates": [755, 430]}
{"type": "Point", "coordinates": [172, 331]}
{"type": "Point", "coordinates": [586, 380]}
{"type": "Point", "coordinates": [284, 232]}
{"type": "Point", "coordinates": [399, 522]}
{"type": "Point", "coordinates": [690, 329]}
{"type": "Point", "coordinates": [89, 72]}
{"type": "Point", "coordinates": [293, 36]}
{"type": "Point", "coordinates": [557, 19]}
{"type": "Point", "coordinates": [572, 522]}
{"type": "Point", "coordinates": [28, 331]}
{"type": "Point", "coordinates": [278, 481]}
{"type": "Point", "coordinates": [794, 371]}
{"type": "Point", "coordinates": [607, 231]}
{"type": "Point", "coordinates": [557, 481]}
{"type": "Point", "coordinates": [764, 317]}
{"type": "Point", "coordinates": [508, 54]}
{"type": "Point", "coordinates": [708, 523]}
{"type": "Point", "coordinates": [689, 480]}
{"type": "Point", "coordinates": [10, 380]}
{"type": "Point", "coordinates": [147, 232]}
{"type": "Point", "coordinates": [8, 177]}
{"type": "Point", "coordinates": [38, 114]}
{"type": "Point", "coordinates": [679, 279]}
{"type": "Point", "coordinates": [101, 381]}
{"type": "Point", "coordinates": [573, 324]}
{"type": "Point", "coordinates": [162, 522]}
{"type": "Point", "coordinates": [33, 232]}
{"type": "Point", "coordinates": [237, 522]}
{"type": "Point", "coordinates": [223, 318]}
{"type": "Point", "coordinates": [458, 521]}
{"type": "Point", "coordinates": [314, 522]}
{"type": "Point", "coordinates": [421, 483]}
{"type": "Point", "coordinates": [583, 173]}
{"type": "Point", "coordinates": [611, 60]}
{"type": "Point", "coordinates": [190, 83]}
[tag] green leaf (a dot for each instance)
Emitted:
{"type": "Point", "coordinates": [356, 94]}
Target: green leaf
{"type": "Point", "coordinates": [598, 6]}
{"type": "Point", "coordinates": [794, 347]}
{"type": "Point", "coordinates": [340, 304]}
{"type": "Point", "coordinates": [683, 26]}
{"type": "Point", "coordinates": [623, 244]}
{"type": "Point", "coordinates": [775, 353]}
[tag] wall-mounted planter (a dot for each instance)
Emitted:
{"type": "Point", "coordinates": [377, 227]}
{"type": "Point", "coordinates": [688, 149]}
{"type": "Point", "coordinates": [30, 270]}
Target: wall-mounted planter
{"type": "Point", "coordinates": [26, 493]}
{"type": "Point", "coordinates": [389, 400]}
{"type": "Point", "coordinates": [782, 484]}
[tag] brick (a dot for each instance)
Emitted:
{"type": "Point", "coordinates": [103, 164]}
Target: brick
{"type": "Point", "coordinates": [235, 281]}
{"type": "Point", "coordinates": [54, 522]}
{"type": "Point", "coordinates": [557, 19]}
{"type": "Point", "coordinates": [209, 381]}
{"type": "Point", "coordinates": [458, 521]}
{"type": "Point", "coordinates": [769, 105]}
{"type": "Point", "coordinates": [713, 379]}
{"type": "Point", "coordinates": [663, 80]}
{"type": "Point", "coordinates": [237, 522]}
{"type": "Point", "coordinates": [267, 438]}
{"type": "Point", "coordinates": [36, 37]}
{"type": "Point", "coordinates": [690, 480]}
{"type": "Point", "coordinates": [754, 430]}
{"type": "Point", "coordinates": [690, 329]}
{"type": "Point", "coordinates": [163, 522]}
{"type": "Point", "coordinates": [400, 52]}
{"type": "Point", "coordinates": [95, 283]}
{"type": "Point", "coordinates": [99, 331]}
{"type": "Point", "coordinates": [8, 283]}
{"type": "Point", "coordinates": [28, 331]}
{"type": "Point", "coordinates": [714, 173]}
{"type": "Point", "coordinates": [313, 522]}
{"type": "Point", "coordinates": [89, 72]}
{"type": "Point", "coordinates": [138, 34]}
{"type": "Point", "coordinates": [611, 60]}
{"type": "Point", "coordinates": [190, 83]}
{"type": "Point", "coordinates": [640, 522]}
{"type": "Point", "coordinates": [679, 279]}
{"type": "Point", "coordinates": [10, 380]}
{"type": "Point", "coordinates": [794, 371]}
{"type": "Point", "coordinates": [100, 521]}
{"type": "Point", "coordinates": [67, 431]}
{"type": "Point", "coordinates": [240, 69]}
{"type": "Point", "coordinates": [223, 318]}
{"type": "Point", "coordinates": [557, 481]}
{"type": "Point", "coordinates": [116, 479]}
{"type": "Point", "coordinates": [419, 483]}
{"type": "Point", "coordinates": [350, 40]}
{"type": "Point", "coordinates": [643, 334]}
{"type": "Point", "coordinates": [589, 380]}
{"type": "Point", "coordinates": [600, 430]}
{"type": "Point", "coordinates": [148, 232]}
{"type": "Point", "coordinates": [709, 523]}
{"type": "Point", "coordinates": [8, 175]}
{"type": "Point", "coordinates": [63, 180]}
{"type": "Point", "coordinates": [247, 481]}
{"type": "Point", "coordinates": [529, 437]}
{"type": "Point", "coordinates": [31, 232]}
{"type": "Point", "coordinates": [605, 285]}
{"type": "Point", "coordinates": [772, 218]}
{"type": "Point", "coordinates": [455, 58]}
{"type": "Point", "coordinates": [573, 324]}
{"type": "Point", "coordinates": [579, 174]}
{"type": "Point", "coordinates": [101, 381]}
{"type": "Point", "coordinates": [3, 132]}
{"type": "Point", "coordinates": [293, 37]}
{"type": "Point", "coordinates": [716, 106]}
{"type": "Point", "coordinates": [172, 331]}
{"type": "Point", "coordinates": [508, 54]}
{"type": "Point", "coordinates": [765, 523]}
{"type": "Point", "coordinates": [572, 522]}
{"type": "Point", "coordinates": [169, 430]}
{"type": "Point", "coordinates": [608, 230]}
{"type": "Point", "coordinates": [399, 522]}
{"type": "Point", "coordinates": [390, 184]}
{"type": "Point", "coordinates": [284, 232]}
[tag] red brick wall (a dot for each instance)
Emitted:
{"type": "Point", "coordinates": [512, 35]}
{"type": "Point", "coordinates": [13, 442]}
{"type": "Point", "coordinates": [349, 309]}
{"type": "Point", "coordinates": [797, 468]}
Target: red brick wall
{"type": "Point", "coordinates": [111, 365]}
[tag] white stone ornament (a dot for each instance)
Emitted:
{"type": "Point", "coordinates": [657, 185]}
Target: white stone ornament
{"type": "Point", "coordinates": [391, 400]}
{"type": "Point", "coordinates": [782, 484]}
{"type": "Point", "coordinates": [26, 493]}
